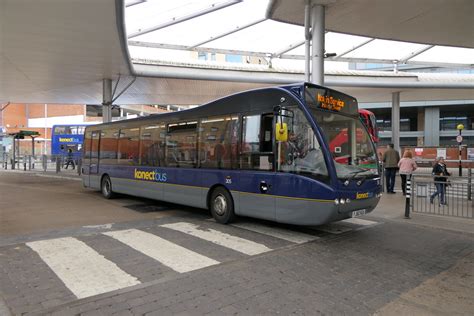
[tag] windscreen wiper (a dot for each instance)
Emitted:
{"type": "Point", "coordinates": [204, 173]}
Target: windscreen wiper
{"type": "Point", "coordinates": [354, 173]}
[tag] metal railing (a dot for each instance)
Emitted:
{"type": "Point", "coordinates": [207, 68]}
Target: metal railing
{"type": "Point", "coordinates": [451, 198]}
{"type": "Point", "coordinates": [42, 163]}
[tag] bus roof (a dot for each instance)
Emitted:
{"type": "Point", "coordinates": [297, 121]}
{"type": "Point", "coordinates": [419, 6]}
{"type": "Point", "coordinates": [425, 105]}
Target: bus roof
{"type": "Point", "coordinates": [238, 102]}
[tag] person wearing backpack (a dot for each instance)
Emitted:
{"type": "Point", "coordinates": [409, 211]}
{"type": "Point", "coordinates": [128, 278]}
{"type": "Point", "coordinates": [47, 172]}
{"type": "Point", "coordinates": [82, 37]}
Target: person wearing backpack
{"type": "Point", "coordinates": [440, 172]}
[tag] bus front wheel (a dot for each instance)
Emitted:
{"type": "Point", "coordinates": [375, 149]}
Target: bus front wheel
{"type": "Point", "coordinates": [106, 187]}
{"type": "Point", "coordinates": [222, 206]}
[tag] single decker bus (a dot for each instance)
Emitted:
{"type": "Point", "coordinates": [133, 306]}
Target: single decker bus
{"type": "Point", "coordinates": [262, 153]}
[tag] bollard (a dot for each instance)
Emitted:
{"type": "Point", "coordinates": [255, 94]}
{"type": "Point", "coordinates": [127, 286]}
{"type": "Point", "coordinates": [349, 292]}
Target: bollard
{"type": "Point", "coordinates": [79, 166]}
{"type": "Point", "coordinates": [58, 165]}
{"type": "Point", "coordinates": [408, 198]}
{"type": "Point", "coordinates": [24, 166]}
{"type": "Point", "coordinates": [45, 162]}
{"type": "Point", "coordinates": [469, 184]}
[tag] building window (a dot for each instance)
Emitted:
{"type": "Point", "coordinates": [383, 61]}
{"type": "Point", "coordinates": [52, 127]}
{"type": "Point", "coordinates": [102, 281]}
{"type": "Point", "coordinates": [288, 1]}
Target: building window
{"type": "Point", "coordinates": [233, 58]}
{"type": "Point", "coordinates": [202, 56]}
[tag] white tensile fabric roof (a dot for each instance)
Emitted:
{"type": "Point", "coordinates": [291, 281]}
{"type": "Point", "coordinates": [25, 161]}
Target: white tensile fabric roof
{"type": "Point", "coordinates": [169, 30]}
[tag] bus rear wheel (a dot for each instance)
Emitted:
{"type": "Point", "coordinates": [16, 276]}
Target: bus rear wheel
{"type": "Point", "coordinates": [106, 187]}
{"type": "Point", "coordinates": [222, 206]}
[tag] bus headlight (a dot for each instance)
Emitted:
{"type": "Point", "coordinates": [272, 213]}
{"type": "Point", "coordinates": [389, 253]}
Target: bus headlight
{"type": "Point", "coordinates": [336, 201]}
{"type": "Point", "coordinates": [348, 201]}
{"type": "Point", "coordinates": [342, 202]}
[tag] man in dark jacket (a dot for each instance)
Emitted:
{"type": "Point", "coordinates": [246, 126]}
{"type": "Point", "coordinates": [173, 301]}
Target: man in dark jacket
{"type": "Point", "coordinates": [440, 172]}
{"type": "Point", "coordinates": [70, 159]}
{"type": "Point", "coordinates": [390, 159]}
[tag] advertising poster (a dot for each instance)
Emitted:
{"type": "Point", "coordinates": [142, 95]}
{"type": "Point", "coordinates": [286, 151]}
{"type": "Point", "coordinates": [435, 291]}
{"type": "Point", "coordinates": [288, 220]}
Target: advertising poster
{"type": "Point", "coordinates": [418, 151]}
{"type": "Point", "coordinates": [470, 153]}
{"type": "Point", "coordinates": [441, 152]}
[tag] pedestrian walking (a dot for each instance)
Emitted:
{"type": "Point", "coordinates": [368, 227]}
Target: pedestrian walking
{"type": "Point", "coordinates": [70, 159]}
{"type": "Point", "coordinates": [440, 173]}
{"type": "Point", "coordinates": [391, 157]}
{"type": "Point", "coordinates": [406, 167]}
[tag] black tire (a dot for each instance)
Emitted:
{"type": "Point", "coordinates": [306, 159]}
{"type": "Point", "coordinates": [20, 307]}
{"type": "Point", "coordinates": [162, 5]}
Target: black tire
{"type": "Point", "coordinates": [221, 206]}
{"type": "Point", "coordinates": [106, 187]}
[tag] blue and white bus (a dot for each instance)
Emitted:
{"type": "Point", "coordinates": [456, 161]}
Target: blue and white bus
{"type": "Point", "coordinates": [262, 153]}
{"type": "Point", "coordinates": [65, 137]}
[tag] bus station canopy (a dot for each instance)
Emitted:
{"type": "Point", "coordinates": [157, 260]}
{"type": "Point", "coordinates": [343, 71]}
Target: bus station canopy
{"type": "Point", "coordinates": [59, 51]}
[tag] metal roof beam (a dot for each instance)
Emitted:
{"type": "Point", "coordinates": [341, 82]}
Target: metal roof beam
{"type": "Point", "coordinates": [288, 48]}
{"type": "Point", "coordinates": [415, 53]}
{"type": "Point", "coordinates": [198, 49]}
{"type": "Point", "coordinates": [384, 61]}
{"type": "Point", "coordinates": [166, 71]}
{"type": "Point", "coordinates": [355, 47]}
{"type": "Point", "coordinates": [239, 28]}
{"type": "Point", "coordinates": [213, 8]}
{"type": "Point", "coordinates": [134, 2]}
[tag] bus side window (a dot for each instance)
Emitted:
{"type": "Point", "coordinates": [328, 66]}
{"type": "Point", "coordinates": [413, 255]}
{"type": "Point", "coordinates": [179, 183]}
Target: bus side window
{"type": "Point", "coordinates": [128, 146]}
{"type": "Point", "coordinates": [152, 145]}
{"type": "Point", "coordinates": [257, 142]}
{"type": "Point", "coordinates": [218, 142]}
{"type": "Point", "coordinates": [181, 143]}
{"type": "Point", "coordinates": [108, 146]}
{"type": "Point", "coordinates": [87, 145]}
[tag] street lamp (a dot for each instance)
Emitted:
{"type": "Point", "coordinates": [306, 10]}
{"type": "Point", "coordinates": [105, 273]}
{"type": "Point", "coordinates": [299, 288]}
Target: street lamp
{"type": "Point", "coordinates": [460, 127]}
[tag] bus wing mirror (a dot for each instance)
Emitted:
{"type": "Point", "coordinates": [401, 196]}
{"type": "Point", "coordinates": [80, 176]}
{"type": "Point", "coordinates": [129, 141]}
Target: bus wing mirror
{"type": "Point", "coordinates": [281, 132]}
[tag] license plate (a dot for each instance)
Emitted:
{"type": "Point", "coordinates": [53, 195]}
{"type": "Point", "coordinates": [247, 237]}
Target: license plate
{"type": "Point", "coordinates": [358, 213]}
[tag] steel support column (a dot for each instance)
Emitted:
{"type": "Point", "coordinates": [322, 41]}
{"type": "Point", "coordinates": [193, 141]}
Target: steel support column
{"type": "Point", "coordinates": [107, 100]}
{"type": "Point", "coordinates": [307, 41]}
{"type": "Point", "coordinates": [396, 120]}
{"type": "Point", "coordinates": [317, 29]}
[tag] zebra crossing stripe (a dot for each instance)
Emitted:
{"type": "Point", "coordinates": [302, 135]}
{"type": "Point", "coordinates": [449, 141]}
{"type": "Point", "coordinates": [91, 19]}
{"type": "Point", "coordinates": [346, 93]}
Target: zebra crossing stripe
{"type": "Point", "coordinates": [280, 233]}
{"type": "Point", "coordinates": [359, 221]}
{"type": "Point", "coordinates": [83, 270]}
{"type": "Point", "coordinates": [171, 255]}
{"type": "Point", "coordinates": [242, 245]}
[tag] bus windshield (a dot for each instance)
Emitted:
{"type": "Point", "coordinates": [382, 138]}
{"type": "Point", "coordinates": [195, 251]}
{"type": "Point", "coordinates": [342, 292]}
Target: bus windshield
{"type": "Point", "coordinates": [350, 145]}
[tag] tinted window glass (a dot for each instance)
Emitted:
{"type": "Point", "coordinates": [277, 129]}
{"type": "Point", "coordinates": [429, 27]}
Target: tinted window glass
{"type": "Point", "coordinates": [181, 145]}
{"type": "Point", "coordinates": [257, 142]}
{"type": "Point", "coordinates": [152, 143]}
{"type": "Point", "coordinates": [108, 146]}
{"type": "Point", "coordinates": [128, 146]}
{"type": "Point", "coordinates": [302, 152]}
{"type": "Point", "coordinates": [95, 145]}
{"type": "Point", "coordinates": [87, 145]}
{"type": "Point", "coordinates": [219, 142]}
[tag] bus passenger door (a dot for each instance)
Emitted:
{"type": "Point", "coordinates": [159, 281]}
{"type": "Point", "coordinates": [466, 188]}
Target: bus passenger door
{"type": "Point", "coordinates": [257, 165]}
{"type": "Point", "coordinates": [94, 180]}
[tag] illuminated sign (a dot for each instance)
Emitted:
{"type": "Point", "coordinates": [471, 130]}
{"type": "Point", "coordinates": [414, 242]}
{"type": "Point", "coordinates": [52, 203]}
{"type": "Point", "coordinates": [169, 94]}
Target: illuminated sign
{"type": "Point", "coordinates": [330, 103]}
{"type": "Point", "coordinates": [154, 175]}
{"type": "Point", "coordinates": [68, 140]}
{"type": "Point", "coordinates": [330, 100]}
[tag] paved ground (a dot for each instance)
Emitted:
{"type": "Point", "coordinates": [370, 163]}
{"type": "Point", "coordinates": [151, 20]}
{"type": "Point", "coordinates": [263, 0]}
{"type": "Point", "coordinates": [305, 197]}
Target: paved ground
{"type": "Point", "coordinates": [64, 250]}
